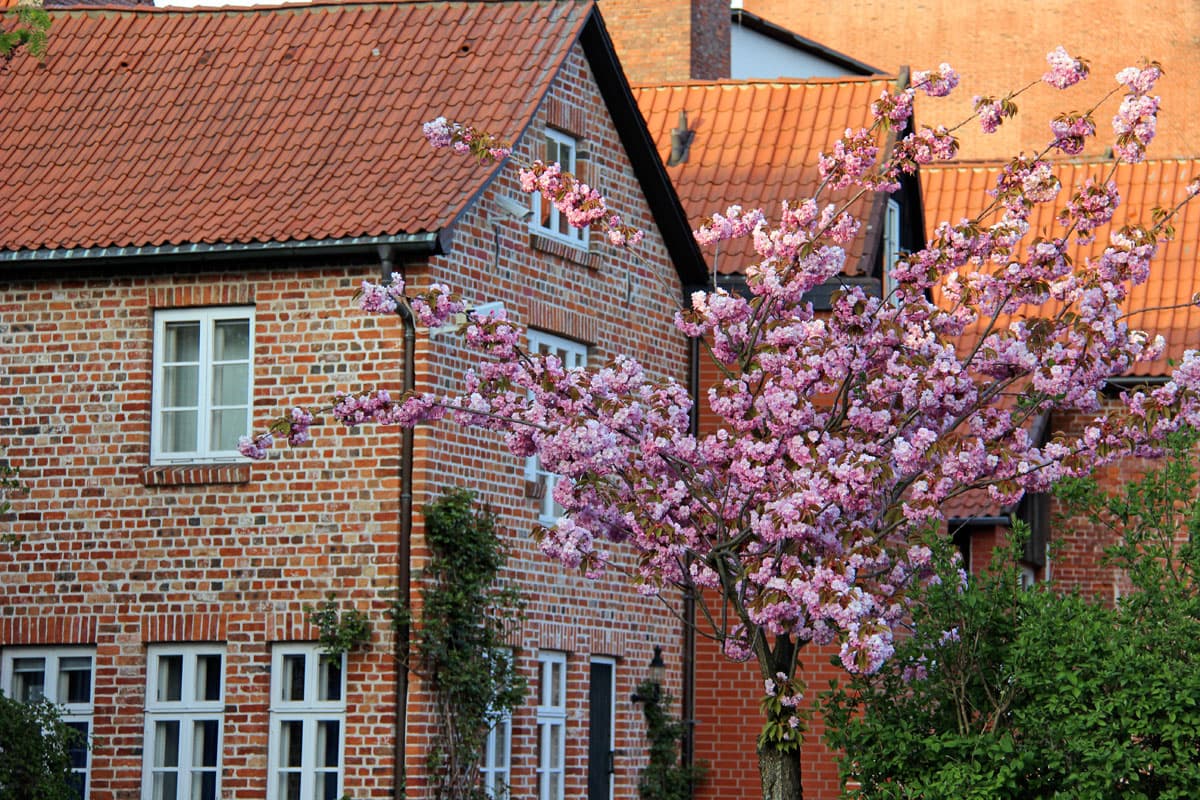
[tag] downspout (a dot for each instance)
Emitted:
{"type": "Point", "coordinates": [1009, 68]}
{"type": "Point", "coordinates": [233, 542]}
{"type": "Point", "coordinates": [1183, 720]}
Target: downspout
{"type": "Point", "coordinates": [404, 548]}
{"type": "Point", "coordinates": [687, 700]}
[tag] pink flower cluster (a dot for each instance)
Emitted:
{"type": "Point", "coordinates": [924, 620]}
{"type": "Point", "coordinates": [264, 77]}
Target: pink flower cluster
{"type": "Point", "coordinates": [895, 108]}
{"type": "Point", "coordinates": [735, 223]}
{"type": "Point", "coordinates": [852, 156]}
{"type": "Point", "coordinates": [621, 235]}
{"type": "Point", "coordinates": [1071, 132]}
{"type": "Point", "coordinates": [1140, 81]}
{"type": "Point", "coordinates": [382, 298]}
{"type": "Point", "coordinates": [991, 112]}
{"type": "Point", "coordinates": [936, 83]}
{"type": "Point", "coordinates": [378, 407]}
{"type": "Point", "coordinates": [463, 139]}
{"type": "Point", "coordinates": [1065, 70]}
{"type": "Point", "coordinates": [579, 203]}
{"type": "Point", "coordinates": [1135, 124]}
{"type": "Point", "coordinates": [1090, 207]}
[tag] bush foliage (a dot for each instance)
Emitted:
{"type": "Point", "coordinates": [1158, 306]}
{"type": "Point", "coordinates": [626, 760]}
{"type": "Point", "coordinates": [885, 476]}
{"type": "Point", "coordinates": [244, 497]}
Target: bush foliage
{"type": "Point", "coordinates": [1003, 692]}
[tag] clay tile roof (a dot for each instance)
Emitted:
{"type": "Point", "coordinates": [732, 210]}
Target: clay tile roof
{"type": "Point", "coordinates": [952, 193]}
{"type": "Point", "coordinates": [147, 127]}
{"type": "Point", "coordinates": [756, 144]}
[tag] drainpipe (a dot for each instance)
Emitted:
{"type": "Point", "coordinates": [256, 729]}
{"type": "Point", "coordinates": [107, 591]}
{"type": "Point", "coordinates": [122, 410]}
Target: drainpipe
{"type": "Point", "coordinates": [687, 701]}
{"type": "Point", "coordinates": [404, 549]}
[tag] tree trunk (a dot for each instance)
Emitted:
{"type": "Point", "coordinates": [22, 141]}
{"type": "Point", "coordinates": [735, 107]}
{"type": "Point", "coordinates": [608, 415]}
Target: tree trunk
{"type": "Point", "coordinates": [780, 774]}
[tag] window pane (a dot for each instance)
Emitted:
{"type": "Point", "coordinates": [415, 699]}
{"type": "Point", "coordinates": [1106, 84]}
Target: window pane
{"type": "Point", "coordinates": [227, 426]}
{"type": "Point", "coordinates": [182, 342]}
{"type": "Point", "coordinates": [331, 679]}
{"type": "Point", "coordinates": [291, 743]}
{"type": "Point", "coordinates": [205, 739]}
{"type": "Point", "coordinates": [204, 785]}
{"type": "Point", "coordinates": [170, 679]}
{"type": "Point", "coordinates": [231, 340]}
{"type": "Point", "coordinates": [166, 744]}
{"type": "Point", "coordinates": [181, 387]}
{"type": "Point", "coordinates": [329, 743]}
{"type": "Point", "coordinates": [208, 677]}
{"type": "Point", "coordinates": [293, 679]}
{"type": "Point", "coordinates": [231, 384]}
{"type": "Point", "coordinates": [29, 679]}
{"type": "Point", "coordinates": [166, 785]}
{"type": "Point", "coordinates": [75, 679]}
{"type": "Point", "coordinates": [291, 786]}
{"type": "Point", "coordinates": [554, 757]}
{"type": "Point", "coordinates": [179, 431]}
{"type": "Point", "coordinates": [79, 745]}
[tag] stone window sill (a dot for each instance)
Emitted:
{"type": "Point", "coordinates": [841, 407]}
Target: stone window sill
{"type": "Point", "coordinates": [564, 250]}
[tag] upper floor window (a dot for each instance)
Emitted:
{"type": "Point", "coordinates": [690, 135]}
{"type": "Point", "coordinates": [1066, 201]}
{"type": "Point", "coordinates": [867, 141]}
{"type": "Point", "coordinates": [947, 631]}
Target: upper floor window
{"type": "Point", "coordinates": [184, 715]}
{"type": "Point", "coordinates": [308, 718]}
{"type": "Point", "coordinates": [547, 219]}
{"type": "Point", "coordinates": [203, 383]}
{"type": "Point", "coordinates": [62, 676]}
{"type": "Point", "coordinates": [573, 355]}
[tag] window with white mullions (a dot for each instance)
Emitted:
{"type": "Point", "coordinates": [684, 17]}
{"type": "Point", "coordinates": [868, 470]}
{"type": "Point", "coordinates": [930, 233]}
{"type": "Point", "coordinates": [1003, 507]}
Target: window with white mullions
{"type": "Point", "coordinates": [308, 711]}
{"type": "Point", "coordinates": [573, 355]}
{"type": "Point", "coordinates": [560, 148]}
{"type": "Point", "coordinates": [63, 676]}
{"type": "Point", "coordinates": [495, 773]}
{"type": "Point", "coordinates": [552, 724]}
{"type": "Point", "coordinates": [184, 716]}
{"type": "Point", "coordinates": [203, 383]}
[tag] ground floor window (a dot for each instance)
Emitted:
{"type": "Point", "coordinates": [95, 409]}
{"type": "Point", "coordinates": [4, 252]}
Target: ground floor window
{"type": "Point", "coordinates": [64, 676]}
{"type": "Point", "coordinates": [185, 704]}
{"type": "Point", "coordinates": [308, 721]}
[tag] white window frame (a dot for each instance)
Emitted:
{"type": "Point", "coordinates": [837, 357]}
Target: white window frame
{"type": "Point", "coordinates": [310, 712]}
{"type": "Point", "coordinates": [574, 355]}
{"type": "Point", "coordinates": [556, 143]}
{"type": "Point", "coordinates": [891, 245]}
{"type": "Point", "coordinates": [71, 713]}
{"type": "Point", "coordinates": [187, 711]}
{"type": "Point", "coordinates": [207, 318]}
{"type": "Point", "coordinates": [497, 773]}
{"type": "Point", "coordinates": [551, 717]}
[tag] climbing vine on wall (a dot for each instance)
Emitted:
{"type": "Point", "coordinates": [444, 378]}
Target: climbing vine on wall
{"type": "Point", "coordinates": [459, 640]}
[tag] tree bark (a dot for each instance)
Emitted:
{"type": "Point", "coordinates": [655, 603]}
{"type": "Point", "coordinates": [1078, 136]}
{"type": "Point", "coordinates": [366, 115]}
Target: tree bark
{"type": "Point", "coordinates": [780, 775]}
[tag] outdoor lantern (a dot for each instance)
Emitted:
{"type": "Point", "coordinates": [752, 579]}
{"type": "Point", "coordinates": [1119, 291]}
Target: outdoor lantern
{"type": "Point", "coordinates": [656, 676]}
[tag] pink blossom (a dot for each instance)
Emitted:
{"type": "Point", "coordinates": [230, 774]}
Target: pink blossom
{"type": "Point", "coordinates": [1070, 133]}
{"type": "Point", "coordinates": [1140, 81]}
{"type": "Point", "coordinates": [1135, 124]}
{"type": "Point", "coordinates": [991, 113]}
{"type": "Point", "coordinates": [936, 84]}
{"type": "Point", "coordinates": [1065, 70]}
{"type": "Point", "coordinates": [896, 108]}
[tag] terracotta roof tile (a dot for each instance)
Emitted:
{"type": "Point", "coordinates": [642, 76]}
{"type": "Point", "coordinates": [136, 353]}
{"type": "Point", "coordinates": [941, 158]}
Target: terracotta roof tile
{"type": "Point", "coordinates": [756, 143]}
{"type": "Point", "coordinates": [952, 193]}
{"type": "Point", "coordinates": [263, 124]}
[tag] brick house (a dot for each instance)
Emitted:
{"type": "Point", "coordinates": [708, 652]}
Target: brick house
{"type": "Point", "coordinates": [755, 143]}
{"type": "Point", "coordinates": [194, 198]}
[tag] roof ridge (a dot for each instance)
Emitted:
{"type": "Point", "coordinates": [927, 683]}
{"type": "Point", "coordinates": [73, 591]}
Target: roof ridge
{"type": "Point", "coordinates": [1000, 163]}
{"type": "Point", "coordinates": [293, 5]}
{"type": "Point", "coordinates": [782, 81]}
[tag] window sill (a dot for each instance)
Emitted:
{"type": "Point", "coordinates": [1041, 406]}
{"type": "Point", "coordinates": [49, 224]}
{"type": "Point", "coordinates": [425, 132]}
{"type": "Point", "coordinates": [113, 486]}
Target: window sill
{"type": "Point", "coordinates": [195, 474]}
{"type": "Point", "coordinates": [566, 250]}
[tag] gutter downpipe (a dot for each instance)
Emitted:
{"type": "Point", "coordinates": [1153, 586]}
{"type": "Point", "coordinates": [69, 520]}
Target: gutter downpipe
{"type": "Point", "coordinates": [404, 547]}
{"type": "Point", "coordinates": [687, 701]}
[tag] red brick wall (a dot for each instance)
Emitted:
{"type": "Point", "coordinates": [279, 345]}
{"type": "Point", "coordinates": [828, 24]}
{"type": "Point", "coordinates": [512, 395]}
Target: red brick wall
{"type": "Point", "coordinates": [111, 561]}
{"type": "Point", "coordinates": [614, 304]}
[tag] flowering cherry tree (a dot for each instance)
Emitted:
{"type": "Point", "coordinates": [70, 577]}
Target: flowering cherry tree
{"type": "Point", "coordinates": [804, 518]}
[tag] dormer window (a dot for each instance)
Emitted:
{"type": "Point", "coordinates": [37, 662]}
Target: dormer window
{"type": "Point", "coordinates": [548, 220]}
